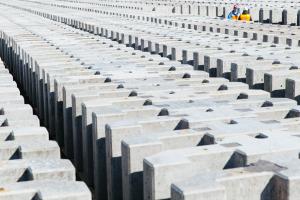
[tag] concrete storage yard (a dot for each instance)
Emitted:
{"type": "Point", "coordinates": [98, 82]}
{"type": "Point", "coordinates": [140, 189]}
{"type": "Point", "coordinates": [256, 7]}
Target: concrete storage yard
{"type": "Point", "coordinates": [149, 100]}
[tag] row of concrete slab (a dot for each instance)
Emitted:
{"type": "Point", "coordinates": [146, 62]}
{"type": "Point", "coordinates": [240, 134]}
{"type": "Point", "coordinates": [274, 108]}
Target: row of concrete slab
{"type": "Point", "coordinates": [278, 34]}
{"type": "Point", "coordinates": [30, 164]}
{"type": "Point", "coordinates": [249, 56]}
{"type": "Point", "coordinates": [137, 125]}
{"type": "Point", "coordinates": [262, 14]}
{"type": "Point", "coordinates": [278, 12]}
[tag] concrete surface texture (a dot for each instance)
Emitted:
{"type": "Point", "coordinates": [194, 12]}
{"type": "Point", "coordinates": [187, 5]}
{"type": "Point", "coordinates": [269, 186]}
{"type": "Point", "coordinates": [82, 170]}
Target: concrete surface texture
{"type": "Point", "coordinates": [149, 100]}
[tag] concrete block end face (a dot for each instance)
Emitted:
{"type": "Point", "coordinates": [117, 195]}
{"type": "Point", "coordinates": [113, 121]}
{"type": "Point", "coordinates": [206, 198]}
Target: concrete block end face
{"type": "Point", "coordinates": [250, 77]}
{"type": "Point", "coordinates": [290, 91]}
{"type": "Point", "coordinates": [183, 124]}
{"type": "Point", "coordinates": [243, 95]}
{"type": "Point", "coordinates": [148, 182]}
{"type": "Point", "coordinates": [293, 113]}
{"type": "Point", "coordinates": [176, 193]}
{"type": "Point", "coordinates": [268, 82]}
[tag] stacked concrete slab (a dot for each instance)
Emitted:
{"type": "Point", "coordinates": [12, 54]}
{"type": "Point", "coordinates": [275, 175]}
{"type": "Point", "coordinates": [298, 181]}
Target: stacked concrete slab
{"type": "Point", "coordinates": [281, 12]}
{"type": "Point", "coordinates": [269, 32]}
{"type": "Point", "coordinates": [145, 110]}
{"type": "Point", "coordinates": [221, 58]}
{"type": "Point", "coordinates": [31, 167]}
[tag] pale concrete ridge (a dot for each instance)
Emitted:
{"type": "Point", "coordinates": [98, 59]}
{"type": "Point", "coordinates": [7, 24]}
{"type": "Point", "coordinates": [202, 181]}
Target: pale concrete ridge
{"type": "Point", "coordinates": [148, 100]}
